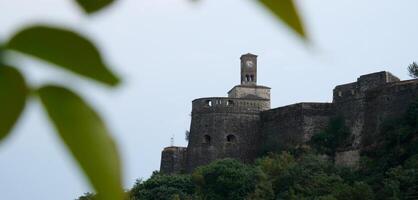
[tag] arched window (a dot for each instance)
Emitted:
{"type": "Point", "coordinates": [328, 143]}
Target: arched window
{"type": "Point", "coordinates": [231, 138]}
{"type": "Point", "coordinates": [209, 103]}
{"type": "Point", "coordinates": [206, 139]}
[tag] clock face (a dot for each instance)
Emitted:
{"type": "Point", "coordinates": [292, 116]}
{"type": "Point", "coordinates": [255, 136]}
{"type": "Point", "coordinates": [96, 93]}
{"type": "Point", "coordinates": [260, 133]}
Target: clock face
{"type": "Point", "coordinates": [249, 63]}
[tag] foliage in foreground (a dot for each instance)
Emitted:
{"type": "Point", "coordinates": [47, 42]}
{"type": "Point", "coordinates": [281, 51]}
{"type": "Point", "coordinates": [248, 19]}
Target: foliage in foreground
{"type": "Point", "coordinates": [71, 51]}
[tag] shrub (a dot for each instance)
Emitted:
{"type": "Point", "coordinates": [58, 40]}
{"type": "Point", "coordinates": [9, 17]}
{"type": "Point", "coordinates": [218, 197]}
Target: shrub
{"type": "Point", "coordinates": [229, 179]}
{"type": "Point", "coordinates": [163, 187]}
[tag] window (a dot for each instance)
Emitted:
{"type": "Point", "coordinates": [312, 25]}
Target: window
{"type": "Point", "coordinates": [231, 138]}
{"type": "Point", "coordinates": [247, 78]}
{"type": "Point", "coordinates": [206, 139]}
{"type": "Point", "coordinates": [209, 103]}
{"type": "Point", "coordinates": [340, 94]}
{"type": "Point", "coordinates": [252, 78]}
{"type": "Point", "coordinates": [229, 103]}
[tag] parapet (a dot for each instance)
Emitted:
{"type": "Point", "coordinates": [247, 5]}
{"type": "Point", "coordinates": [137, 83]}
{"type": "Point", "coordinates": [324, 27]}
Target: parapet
{"type": "Point", "coordinates": [356, 90]}
{"type": "Point", "coordinates": [370, 81]}
{"type": "Point", "coordinates": [249, 91]}
{"type": "Point", "coordinates": [229, 105]}
{"type": "Point", "coordinates": [304, 108]}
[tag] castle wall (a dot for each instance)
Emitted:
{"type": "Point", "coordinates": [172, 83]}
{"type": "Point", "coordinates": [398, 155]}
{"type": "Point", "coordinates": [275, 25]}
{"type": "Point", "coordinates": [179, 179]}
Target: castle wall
{"type": "Point", "coordinates": [385, 103]}
{"type": "Point", "coordinates": [350, 103]}
{"type": "Point", "coordinates": [173, 160]}
{"type": "Point", "coordinates": [289, 126]}
{"type": "Point", "coordinates": [224, 127]}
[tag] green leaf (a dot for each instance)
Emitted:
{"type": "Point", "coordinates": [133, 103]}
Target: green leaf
{"type": "Point", "coordinates": [63, 48]}
{"type": "Point", "coordinates": [13, 93]}
{"type": "Point", "coordinates": [287, 12]}
{"type": "Point", "coordinates": [91, 6]}
{"type": "Point", "coordinates": [87, 138]}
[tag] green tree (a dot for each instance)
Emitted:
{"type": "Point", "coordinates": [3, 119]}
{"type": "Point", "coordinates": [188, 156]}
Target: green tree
{"type": "Point", "coordinates": [310, 177]}
{"type": "Point", "coordinates": [163, 187]}
{"type": "Point", "coordinates": [230, 180]}
{"type": "Point", "coordinates": [413, 70]}
{"type": "Point", "coordinates": [401, 183]}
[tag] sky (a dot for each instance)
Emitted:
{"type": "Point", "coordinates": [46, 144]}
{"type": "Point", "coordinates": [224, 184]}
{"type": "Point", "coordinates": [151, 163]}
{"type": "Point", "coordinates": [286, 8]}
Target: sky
{"type": "Point", "coordinates": [169, 52]}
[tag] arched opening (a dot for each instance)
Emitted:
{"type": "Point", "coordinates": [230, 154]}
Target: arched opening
{"type": "Point", "coordinates": [206, 139]}
{"type": "Point", "coordinates": [209, 103]}
{"type": "Point", "coordinates": [231, 138]}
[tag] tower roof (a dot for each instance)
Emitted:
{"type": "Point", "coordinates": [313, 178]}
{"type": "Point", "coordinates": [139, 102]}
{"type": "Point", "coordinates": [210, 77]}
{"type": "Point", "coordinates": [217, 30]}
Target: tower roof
{"type": "Point", "coordinates": [248, 54]}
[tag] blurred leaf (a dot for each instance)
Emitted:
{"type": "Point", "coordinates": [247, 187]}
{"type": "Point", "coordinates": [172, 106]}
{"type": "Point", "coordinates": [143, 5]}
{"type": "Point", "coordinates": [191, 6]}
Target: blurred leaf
{"type": "Point", "coordinates": [87, 138]}
{"type": "Point", "coordinates": [91, 6]}
{"type": "Point", "coordinates": [65, 49]}
{"type": "Point", "coordinates": [13, 92]}
{"type": "Point", "coordinates": [1, 54]}
{"type": "Point", "coordinates": [287, 12]}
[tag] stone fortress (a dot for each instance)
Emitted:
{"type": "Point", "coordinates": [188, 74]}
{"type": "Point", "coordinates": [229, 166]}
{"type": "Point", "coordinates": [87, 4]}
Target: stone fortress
{"type": "Point", "coordinates": [238, 126]}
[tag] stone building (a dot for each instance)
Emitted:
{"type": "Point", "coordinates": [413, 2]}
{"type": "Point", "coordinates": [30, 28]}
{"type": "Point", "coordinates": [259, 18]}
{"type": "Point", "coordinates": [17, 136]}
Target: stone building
{"type": "Point", "coordinates": [240, 125]}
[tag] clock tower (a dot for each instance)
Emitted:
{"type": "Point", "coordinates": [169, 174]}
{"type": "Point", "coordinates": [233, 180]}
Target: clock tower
{"type": "Point", "coordinates": [249, 69]}
{"type": "Point", "coordinates": [248, 89]}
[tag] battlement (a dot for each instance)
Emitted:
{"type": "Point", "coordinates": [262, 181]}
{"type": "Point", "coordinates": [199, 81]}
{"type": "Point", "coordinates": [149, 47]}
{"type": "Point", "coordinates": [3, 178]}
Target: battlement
{"type": "Point", "coordinates": [356, 90]}
{"type": "Point", "coordinates": [229, 105]}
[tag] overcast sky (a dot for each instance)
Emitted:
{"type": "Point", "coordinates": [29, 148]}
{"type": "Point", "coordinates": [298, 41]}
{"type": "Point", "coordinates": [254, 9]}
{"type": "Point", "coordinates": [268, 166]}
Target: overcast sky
{"type": "Point", "coordinates": [169, 52]}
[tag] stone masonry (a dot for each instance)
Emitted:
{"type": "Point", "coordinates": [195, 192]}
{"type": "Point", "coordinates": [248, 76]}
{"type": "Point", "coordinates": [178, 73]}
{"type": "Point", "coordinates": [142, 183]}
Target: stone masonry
{"type": "Point", "coordinates": [241, 125]}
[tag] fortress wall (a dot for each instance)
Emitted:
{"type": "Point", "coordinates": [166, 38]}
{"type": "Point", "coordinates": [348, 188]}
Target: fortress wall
{"type": "Point", "coordinates": [173, 160]}
{"type": "Point", "coordinates": [350, 102]}
{"type": "Point", "coordinates": [384, 103]}
{"type": "Point", "coordinates": [316, 117]}
{"type": "Point", "coordinates": [219, 130]}
{"type": "Point", "coordinates": [293, 125]}
{"type": "Point", "coordinates": [353, 114]}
